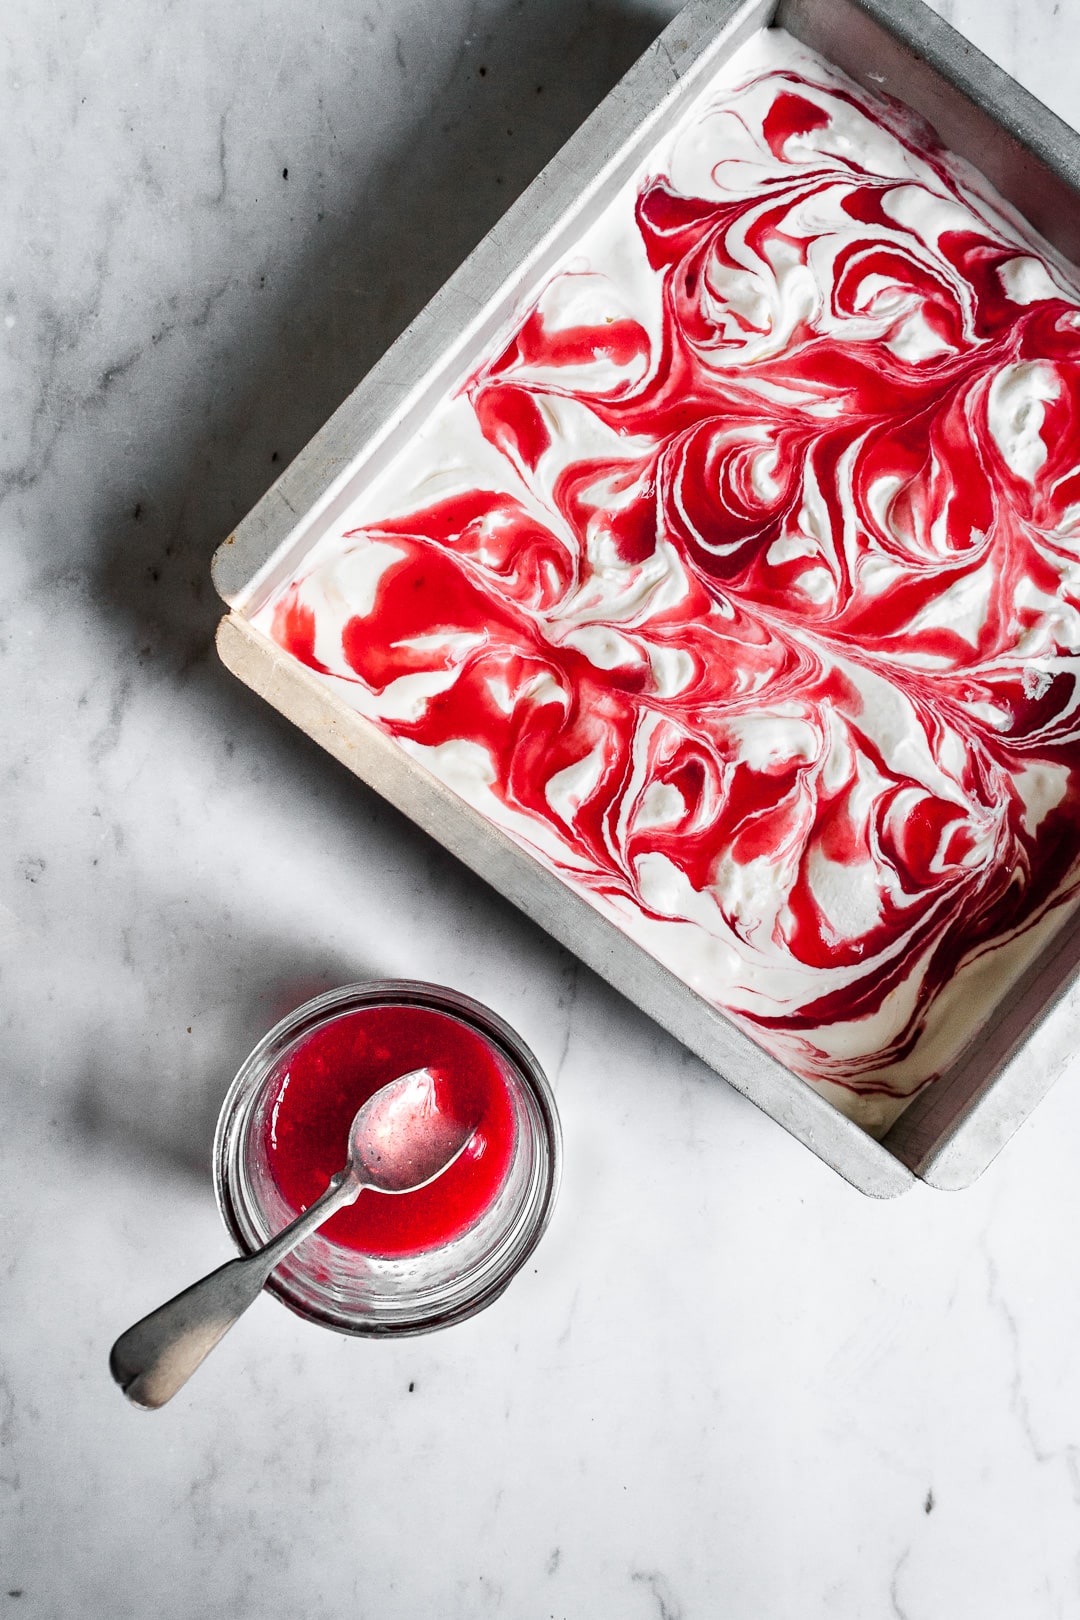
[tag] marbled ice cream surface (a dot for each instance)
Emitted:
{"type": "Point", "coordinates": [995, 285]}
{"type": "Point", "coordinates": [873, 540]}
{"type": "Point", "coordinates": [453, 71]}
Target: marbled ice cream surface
{"type": "Point", "coordinates": [740, 583]}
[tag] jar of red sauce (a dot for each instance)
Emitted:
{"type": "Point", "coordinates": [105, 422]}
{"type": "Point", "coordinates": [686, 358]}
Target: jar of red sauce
{"type": "Point", "coordinates": [390, 1264]}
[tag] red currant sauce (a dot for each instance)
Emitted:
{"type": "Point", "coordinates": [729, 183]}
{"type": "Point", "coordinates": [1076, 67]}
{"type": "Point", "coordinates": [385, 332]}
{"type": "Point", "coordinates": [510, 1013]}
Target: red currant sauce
{"type": "Point", "coordinates": [336, 1069]}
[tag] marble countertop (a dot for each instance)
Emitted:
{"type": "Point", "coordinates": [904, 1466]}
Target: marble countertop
{"type": "Point", "coordinates": [727, 1385]}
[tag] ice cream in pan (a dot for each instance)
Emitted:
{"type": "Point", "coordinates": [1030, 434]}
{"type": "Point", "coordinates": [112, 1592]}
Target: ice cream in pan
{"type": "Point", "coordinates": [739, 583]}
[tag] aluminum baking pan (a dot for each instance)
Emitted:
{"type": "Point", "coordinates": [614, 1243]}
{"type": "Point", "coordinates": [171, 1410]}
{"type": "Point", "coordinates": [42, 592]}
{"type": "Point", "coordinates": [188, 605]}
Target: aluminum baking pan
{"type": "Point", "coordinates": [899, 47]}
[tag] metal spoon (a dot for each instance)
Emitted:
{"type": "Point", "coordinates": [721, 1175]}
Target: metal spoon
{"type": "Point", "coordinates": [399, 1141]}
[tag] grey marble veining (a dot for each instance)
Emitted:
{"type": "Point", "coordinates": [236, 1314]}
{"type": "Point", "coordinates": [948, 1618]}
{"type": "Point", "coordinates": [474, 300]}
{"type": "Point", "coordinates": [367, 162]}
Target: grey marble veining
{"type": "Point", "coordinates": [727, 1385]}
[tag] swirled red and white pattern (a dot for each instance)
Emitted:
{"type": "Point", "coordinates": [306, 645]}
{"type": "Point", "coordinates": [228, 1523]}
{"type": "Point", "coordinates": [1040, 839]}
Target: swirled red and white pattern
{"type": "Point", "coordinates": [740, 582]}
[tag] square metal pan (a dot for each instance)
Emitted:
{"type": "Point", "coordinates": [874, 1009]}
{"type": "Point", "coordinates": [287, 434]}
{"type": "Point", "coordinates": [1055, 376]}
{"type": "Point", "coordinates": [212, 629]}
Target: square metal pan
{"type": "Point", "coordinates": [899, 47]}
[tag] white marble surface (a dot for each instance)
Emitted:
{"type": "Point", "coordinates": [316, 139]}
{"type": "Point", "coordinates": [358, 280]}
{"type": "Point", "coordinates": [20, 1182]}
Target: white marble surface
{"type": "Point", "coordinates": [729, 1386]}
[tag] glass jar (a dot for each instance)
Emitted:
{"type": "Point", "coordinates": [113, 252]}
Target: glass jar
{"type": "Point", "coordinates": [374, 1295]}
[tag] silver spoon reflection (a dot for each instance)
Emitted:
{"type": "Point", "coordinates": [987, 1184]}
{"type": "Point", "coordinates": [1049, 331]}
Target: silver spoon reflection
{"type": "Point", "coordinates": [398, 1142]}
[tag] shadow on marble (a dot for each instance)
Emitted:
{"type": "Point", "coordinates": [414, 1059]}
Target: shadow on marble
{"type": "Point", "coordinates": [290, 352]}
{"type": "Point", "coordinates": [278, 361]}
{"type": "Point", "coordinates": [272, 366]}
{"type": "Point", "coordinates": [171, 1125]}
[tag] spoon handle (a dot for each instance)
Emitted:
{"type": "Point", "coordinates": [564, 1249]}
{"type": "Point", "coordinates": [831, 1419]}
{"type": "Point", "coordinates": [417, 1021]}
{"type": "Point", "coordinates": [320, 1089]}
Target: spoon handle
{"type": "Point", "coordinates": [153, 1359]}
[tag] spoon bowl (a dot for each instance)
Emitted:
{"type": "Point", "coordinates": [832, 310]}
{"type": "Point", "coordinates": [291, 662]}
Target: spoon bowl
{"type": "Point", "coordinates": [401, 1140]}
